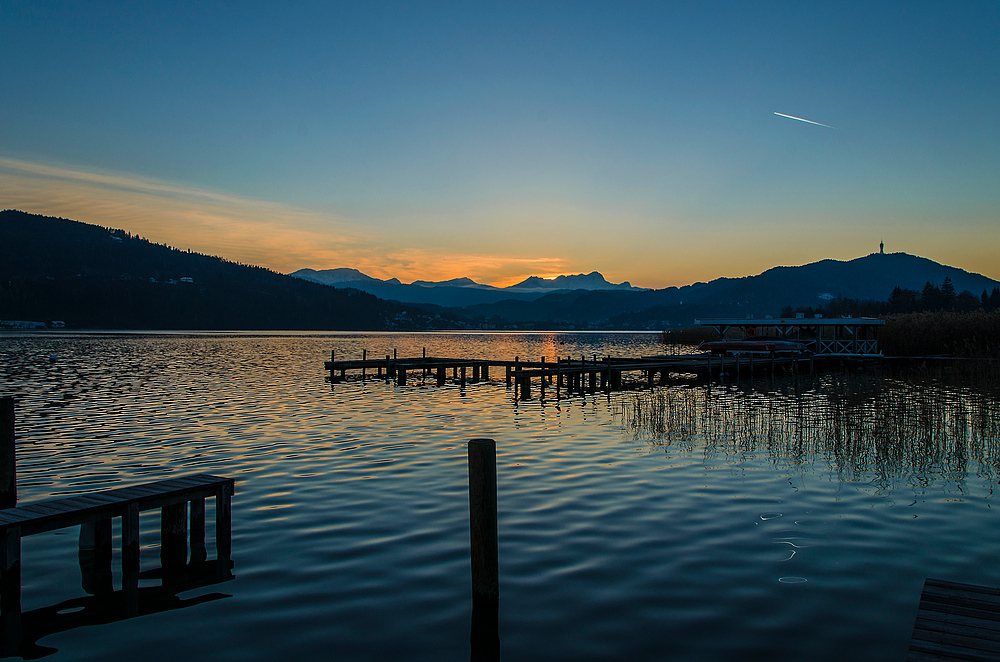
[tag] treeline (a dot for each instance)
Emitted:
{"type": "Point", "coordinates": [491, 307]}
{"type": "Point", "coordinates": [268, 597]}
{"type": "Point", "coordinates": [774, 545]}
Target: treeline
{"type": "Point", "coordinates": [902, 300]}
{"type": "Point", "coordinates": [92, 277]}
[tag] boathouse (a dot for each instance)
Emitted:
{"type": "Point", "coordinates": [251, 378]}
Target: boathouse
{"type": "Point", "coordinates": [844, 337]}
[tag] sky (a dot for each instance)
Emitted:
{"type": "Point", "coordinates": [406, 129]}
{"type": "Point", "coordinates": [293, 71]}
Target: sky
{"type": "Point", "coordinates": [498, 141]}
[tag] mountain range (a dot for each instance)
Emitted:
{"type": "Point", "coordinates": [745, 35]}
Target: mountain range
{"type": "Point", "coordinates": [460, 292]}
{"type": "Point", "coordinates": [90, 276]}
{"type": "Point", "coordinates": [589, 299]}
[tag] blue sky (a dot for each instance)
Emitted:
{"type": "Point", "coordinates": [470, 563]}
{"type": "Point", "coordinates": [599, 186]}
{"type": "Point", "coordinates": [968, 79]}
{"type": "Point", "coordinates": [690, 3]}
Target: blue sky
{"type": "Point", "coordinates": [429, 140]}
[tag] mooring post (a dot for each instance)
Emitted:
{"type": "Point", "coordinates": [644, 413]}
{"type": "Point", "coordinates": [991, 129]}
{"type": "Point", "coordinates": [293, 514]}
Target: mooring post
{"type": "Point", "coordinates": [393, 353]}
{"type": "Point", "coordinates": [483, 520]}
{"type": "Point", "coordinates": [364, 368]}
{"type": "Point", "coordinates": [8, 459]}
{"type": "Point", "coordinates": [485, 634]}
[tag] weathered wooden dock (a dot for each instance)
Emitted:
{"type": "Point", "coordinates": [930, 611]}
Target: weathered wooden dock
{"type": "Point", "coordinates": [956, 622]}
{"type": "Point", "coordinates": [93, 513]}
{"type": "Point", "coordinates": [566, 375]}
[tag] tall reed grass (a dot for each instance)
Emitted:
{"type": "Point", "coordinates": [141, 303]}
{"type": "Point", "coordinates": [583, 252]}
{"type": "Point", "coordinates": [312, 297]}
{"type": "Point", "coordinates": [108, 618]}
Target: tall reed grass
{"type": "Point", "coordinates": [973, 334]}
{"type": "Point", "coordinates": [871, 427]}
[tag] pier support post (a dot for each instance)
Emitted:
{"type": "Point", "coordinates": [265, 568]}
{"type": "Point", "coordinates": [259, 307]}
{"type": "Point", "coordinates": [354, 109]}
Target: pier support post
{"type": "Point", "coordinates": [198, 551]}
{"type": "Point", "coordinates": [95, 558]}
{"type": "Point", "coordinates": [442, 374]}
{"type": "Point", "coordinates": [462, 383]}
{"type": "Point", "coordinates": [8, 459]}
{"type": "Point", "coordinates": [173, 536]}
{"type": "Point", "coordinates": [483, 520]}
{"type": "Point", "coordinates": [130, 558]}
{"type": "Point", "coordinates": [401, 376]}
{"type": "Point", "coordinates": [484, 373]}
{"type": "Point", "coordinates": [224, 528]}
{"type": "Point", "coordinates": [10, 590]}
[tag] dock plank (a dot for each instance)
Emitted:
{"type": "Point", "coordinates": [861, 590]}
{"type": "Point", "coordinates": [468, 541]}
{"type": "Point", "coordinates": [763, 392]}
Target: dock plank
{"type": "Point", "coordinates": [956, 622]}
{"type": "Point", "coordinates": [78, 509]}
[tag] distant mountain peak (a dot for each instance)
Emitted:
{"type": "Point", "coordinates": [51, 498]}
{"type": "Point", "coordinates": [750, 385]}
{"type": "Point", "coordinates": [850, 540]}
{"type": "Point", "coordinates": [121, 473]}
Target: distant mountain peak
{"type": "Point", "coordinates": [592, 281]}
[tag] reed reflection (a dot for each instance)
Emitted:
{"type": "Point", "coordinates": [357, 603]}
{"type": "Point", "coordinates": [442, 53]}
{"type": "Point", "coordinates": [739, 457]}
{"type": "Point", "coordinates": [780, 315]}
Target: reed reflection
{"type": "Point", "coordinates": [861, 425]}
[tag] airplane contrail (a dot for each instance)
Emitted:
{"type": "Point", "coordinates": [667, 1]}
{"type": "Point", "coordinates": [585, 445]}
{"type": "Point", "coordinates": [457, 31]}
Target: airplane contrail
{"type": "Point", "coordinates": [792, 117]}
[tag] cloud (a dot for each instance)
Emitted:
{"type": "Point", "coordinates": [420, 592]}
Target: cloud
{"type": "Point", "coordinates": [278, 236]}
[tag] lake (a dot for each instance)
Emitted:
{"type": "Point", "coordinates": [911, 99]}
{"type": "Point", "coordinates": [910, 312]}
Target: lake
{"type": "Point", "coordinates": [783, 520]}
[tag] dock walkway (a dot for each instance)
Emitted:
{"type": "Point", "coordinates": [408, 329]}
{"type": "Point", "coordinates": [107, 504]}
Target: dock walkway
{"type": "Point", "coordinates": [573, 375]}
{"type": "Point", "coordinates": [94, 512]}
{"type": "Point", "coordinates": [956, 622]}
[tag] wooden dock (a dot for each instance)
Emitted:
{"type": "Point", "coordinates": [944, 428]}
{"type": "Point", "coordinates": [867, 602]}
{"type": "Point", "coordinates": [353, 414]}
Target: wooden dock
{"type": "Point", "coordinates": [94, 512]}
{"type": "Point", "coordinates": [956, 622]}
{"type": "Point", "coordinates": [572, 376]}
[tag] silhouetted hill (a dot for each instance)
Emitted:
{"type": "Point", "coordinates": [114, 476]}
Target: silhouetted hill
{"type": "Point", "coordinates": [95, 277]}
{"type": "Point", "coordinates": [871, 277]}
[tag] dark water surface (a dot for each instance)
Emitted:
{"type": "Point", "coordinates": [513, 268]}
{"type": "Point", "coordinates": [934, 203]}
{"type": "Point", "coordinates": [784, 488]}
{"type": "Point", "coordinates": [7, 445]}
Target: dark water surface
{"type": "Point", "coordinates": [679, 525]}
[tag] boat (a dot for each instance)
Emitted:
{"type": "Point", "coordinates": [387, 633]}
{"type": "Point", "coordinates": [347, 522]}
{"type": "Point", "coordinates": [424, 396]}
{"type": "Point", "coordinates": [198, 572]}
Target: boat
{"type": "Point", "coordinates": [753, 345]}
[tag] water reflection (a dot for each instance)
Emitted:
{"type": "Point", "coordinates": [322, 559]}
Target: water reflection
{"type": "Point", "coordinates": [860, 425]}
{"type": "Point", "coordinates": [21, 631]}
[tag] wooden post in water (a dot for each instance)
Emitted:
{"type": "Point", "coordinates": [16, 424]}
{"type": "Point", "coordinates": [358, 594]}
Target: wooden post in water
{"type": "Point", "coordinates": [198, 551]}
{"type": "Point", "coordinates": [224, 528]}
{"type": "Point", "coordinates": [484, 638]}
{"type": "Point", "coordinates": [441, 375]}
{"type": "Point", "coordinates": [8, 459]}
{"type": "Point", "coordinates": [483, 520]}
{"type": "Point", "coordinates": [364, 368]}
{"type": "Point", "coordinates": [10, 590]}
{"type": "Point", "coordinates": [388, 369]}
{"type": "Point", "coordinates": [173, 536]}
{"type": "Point", "coordinates": [462, 383]}
{"type": "Point", "coordinates": [130, 558]}
{"type": "Point", "coordinates": [95, 554]}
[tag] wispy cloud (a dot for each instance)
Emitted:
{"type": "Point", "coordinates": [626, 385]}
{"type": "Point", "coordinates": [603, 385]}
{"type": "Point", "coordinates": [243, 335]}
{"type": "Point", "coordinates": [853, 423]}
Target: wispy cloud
{"type": "Point", "coordinates": [279, 236]}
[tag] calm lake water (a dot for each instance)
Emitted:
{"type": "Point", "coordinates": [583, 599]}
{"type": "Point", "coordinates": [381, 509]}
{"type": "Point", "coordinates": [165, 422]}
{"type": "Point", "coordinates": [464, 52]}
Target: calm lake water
{"type": "Point", "coordinates": [678, 524]}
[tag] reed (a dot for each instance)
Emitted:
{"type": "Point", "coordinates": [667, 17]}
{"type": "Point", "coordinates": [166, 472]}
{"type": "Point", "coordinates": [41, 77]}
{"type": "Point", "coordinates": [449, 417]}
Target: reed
{"type": "Point", "coordinates": [872, 427]}
{"type": "Point", "coordinates": [973, 334]}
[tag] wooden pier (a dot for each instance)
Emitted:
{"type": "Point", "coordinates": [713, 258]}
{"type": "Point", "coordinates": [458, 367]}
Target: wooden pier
{"type": "Point", "coordinates": [572, 376]}
{"type": "Point", "coordinates": [93, 513]}
{"type": "Point", "coordinates": [956, 622]}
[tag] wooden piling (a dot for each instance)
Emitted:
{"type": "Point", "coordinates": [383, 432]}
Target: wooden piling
{"type": "Point", "coordinates": [95, 554]}
{"type": "Point", "coordinates": [364, 357]}
{"type": "Point", "coordinates": [224, 527]}
{"type": "Point", "coordinates": [442, 374]}
{"type": "Point", "coordinates": [8, 460]}
{"type": "Point", "coordinates": [173, 535]}
{"type": "Point", "coordinates": [130, 558]}
{"type": "Point", "coordinates": [198, 551]}
{"type": "Point", "coordinates": [462, 382]}
{"type": "Point", "coordinates": [483, 520]}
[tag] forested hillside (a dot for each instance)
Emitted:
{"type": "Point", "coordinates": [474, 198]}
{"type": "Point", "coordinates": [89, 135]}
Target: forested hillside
{"type": "Point", "coordinates": [94, 277]}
